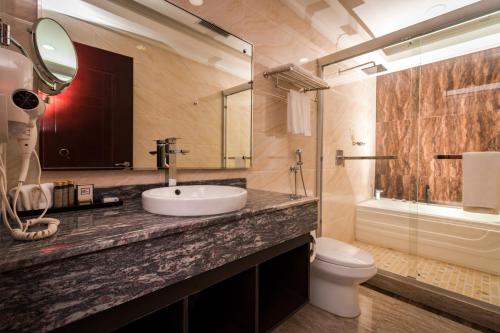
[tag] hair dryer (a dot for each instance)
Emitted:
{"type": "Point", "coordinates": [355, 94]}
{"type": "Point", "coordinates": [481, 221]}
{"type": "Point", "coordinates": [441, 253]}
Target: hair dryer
{"type": "Point", "coordinates": [19, 111]}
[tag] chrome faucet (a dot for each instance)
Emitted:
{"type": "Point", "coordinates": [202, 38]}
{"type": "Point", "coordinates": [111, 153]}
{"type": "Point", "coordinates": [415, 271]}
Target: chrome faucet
{"type": "Point", "coordinates": [166, 152]}
{"type": "Point", "coordinates": [427, 194]}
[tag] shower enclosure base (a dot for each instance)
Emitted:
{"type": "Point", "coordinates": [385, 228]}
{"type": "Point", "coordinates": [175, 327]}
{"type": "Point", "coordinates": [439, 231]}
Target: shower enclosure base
{"type": "Point", "coordinates": [460, 308]}
{"type": "Point", "coordinates": [461, 292]}
{"type": "Point", "coordinates": [472, 283]}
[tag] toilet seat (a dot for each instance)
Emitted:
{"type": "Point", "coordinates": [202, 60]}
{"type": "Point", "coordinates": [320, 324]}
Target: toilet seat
{"type": "Point", "coordinates": [339, 253]}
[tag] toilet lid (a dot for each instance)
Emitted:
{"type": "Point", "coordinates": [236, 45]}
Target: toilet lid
{"type": "Point", "coordinates": [343, 254]}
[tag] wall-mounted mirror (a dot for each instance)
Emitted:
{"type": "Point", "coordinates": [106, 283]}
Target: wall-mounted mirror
{"type": "Point", "coordinates": [147, 70]}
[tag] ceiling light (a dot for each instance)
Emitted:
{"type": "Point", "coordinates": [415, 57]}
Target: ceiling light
{"type": "Point", "coordinates": [48, 47]}
{"type": "Point", "coordinates": [436, 9]}
{"type": "Point", "coordinates": [196, 2]}
{"type": "Point", "coordinates": [140, 47]}
{"type": "Point", "coordinates": [303, 60]}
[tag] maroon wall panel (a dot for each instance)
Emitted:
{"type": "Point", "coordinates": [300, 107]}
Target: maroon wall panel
{"type": "Point", "coordinates": [93, 118]}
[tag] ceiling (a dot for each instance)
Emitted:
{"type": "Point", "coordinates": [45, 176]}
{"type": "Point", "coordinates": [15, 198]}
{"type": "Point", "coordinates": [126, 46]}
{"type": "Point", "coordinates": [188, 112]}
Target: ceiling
{"type": "Point", "coordinates": [350, 22]}
{"type": "Point", "coordinates": [163, 24]}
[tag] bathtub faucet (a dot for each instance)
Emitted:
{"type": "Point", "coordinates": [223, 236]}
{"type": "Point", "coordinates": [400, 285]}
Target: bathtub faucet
{"type": "Point", "coordinates": [427, 194]}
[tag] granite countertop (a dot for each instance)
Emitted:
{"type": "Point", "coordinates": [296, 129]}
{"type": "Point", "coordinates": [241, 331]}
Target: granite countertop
{"type": "Point", "coordinates": [82, 232]}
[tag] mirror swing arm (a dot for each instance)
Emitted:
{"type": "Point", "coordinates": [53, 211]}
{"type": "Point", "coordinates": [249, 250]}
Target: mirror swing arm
{"type": "Point", "coordinates": [50, 84]}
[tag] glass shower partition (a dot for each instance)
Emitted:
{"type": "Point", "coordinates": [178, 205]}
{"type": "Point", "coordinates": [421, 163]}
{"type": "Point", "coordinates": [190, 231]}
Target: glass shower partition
{"type": "Point", "coordinates": [396, 124]}
{"type": "Point", "coordinates": [369, 149]}
{"type": "Point", "coordinates": [459, 112]}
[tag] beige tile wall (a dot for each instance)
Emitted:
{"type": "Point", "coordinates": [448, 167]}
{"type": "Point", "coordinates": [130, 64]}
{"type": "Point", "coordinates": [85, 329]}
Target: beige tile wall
{"type": "Point", "coordinates": [279, 36]}
{"type": "Point", "coordinates": [349, 108]}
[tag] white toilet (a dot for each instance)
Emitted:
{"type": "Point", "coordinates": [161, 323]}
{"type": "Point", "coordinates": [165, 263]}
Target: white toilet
{"type": "Point", "coordinates": [335, 275]}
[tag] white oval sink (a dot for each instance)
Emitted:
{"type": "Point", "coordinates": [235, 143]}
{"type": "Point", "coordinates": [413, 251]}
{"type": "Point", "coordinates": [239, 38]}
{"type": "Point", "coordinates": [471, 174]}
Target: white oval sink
{"type": "Point", "coordinates": [195, 200]}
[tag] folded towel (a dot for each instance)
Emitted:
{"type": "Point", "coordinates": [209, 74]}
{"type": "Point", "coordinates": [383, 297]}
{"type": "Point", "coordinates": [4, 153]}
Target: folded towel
{"type": "Point", "coordinates": [31, 197]}
{"type": "Point", "coordinates": [299, 113]}
{"type": "Point", "coordinates": [481, 181]}
{"type": "Point", "coordinates": [38, 200]}
{"type": "Point", "coordinates": [12, 193]}
{"type": "Point", "coordinates": [239, 162]}
{"type": "Point", "coordinates": [25, 196]}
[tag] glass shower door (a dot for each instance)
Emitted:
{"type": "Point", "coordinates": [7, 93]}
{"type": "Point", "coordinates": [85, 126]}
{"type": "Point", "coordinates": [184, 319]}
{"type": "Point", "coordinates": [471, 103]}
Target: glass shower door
{"type": "Point", "coordinates": [459, 112]}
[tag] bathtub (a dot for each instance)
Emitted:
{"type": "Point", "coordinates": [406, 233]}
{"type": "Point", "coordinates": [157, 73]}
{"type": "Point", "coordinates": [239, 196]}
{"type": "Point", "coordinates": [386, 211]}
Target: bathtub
{"type": "Point", "coordinates": [444, 233]}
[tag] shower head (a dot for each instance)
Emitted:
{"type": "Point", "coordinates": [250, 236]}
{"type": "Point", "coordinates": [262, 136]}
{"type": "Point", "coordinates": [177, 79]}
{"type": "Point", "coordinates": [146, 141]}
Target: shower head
{"type": "Point", "coordinates": [374, 69]}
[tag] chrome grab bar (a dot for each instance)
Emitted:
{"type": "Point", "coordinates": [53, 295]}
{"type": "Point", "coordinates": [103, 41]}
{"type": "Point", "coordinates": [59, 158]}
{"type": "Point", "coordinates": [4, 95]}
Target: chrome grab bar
{"type": "Point", "coordinates": [234, 157]}
{"type": "Point", "coordinates": [447, 157]}
{"type": "Point", "coordinates": [340, 158]}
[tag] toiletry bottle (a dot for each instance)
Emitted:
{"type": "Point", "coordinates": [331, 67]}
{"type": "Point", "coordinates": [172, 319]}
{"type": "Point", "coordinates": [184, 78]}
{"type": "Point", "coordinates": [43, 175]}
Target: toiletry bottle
{"type": "Point", "coordinates": [64, 185]}
{"type": "Point", "coordinates": [71, 193]}
{"type": "Point", "coordinates": [58, 194]}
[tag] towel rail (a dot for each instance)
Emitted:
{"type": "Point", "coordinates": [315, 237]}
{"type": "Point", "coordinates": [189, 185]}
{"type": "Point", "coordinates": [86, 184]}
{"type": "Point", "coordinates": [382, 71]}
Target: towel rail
{"type": "Point", "coordinates": [340, 158]}
{"type": "Point", "coordinates": [298, 77]}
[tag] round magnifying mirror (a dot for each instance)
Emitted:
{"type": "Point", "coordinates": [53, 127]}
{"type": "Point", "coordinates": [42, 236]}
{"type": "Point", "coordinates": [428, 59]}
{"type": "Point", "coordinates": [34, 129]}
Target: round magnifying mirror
{"type": "Point", "coordinates": [57, 59]}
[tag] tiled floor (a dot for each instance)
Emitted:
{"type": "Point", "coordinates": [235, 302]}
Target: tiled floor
{"type": "Point", "coordinates": [379, 313]}
{"type": "Point", "coordinates": [465, 281]}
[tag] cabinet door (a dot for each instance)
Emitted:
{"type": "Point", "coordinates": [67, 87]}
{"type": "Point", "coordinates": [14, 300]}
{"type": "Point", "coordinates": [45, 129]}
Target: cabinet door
{"type": "Point", "coordinates": [89, 125]}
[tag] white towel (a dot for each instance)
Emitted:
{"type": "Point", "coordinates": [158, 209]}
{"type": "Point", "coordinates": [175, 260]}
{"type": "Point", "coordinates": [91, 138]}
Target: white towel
{"type": "Point", "coordinates": [481, 181]}
{"type": "Point", "coordinates": [239, 162]}
{"type": "Point", "coordinates": [31, 198]}
{"type": "Point", "coordinates": [299, 113]}
{"type": "Point", "coordinates": [38, 199]}
{"type": "Point", "coordinates": [12, 193]}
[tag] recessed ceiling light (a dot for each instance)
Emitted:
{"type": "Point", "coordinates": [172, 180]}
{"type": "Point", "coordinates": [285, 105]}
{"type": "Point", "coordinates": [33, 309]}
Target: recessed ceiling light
{"type": "Point", "coordinates": [196, 2]}
{"type": "Point", "coordinates": [48, 47]}
{"type": "Point", "coordinates": [140, 47]}
{"type": "Point", "coordinates": [436, 9]}
{"type": "Point", "coordinates": [303, 60]}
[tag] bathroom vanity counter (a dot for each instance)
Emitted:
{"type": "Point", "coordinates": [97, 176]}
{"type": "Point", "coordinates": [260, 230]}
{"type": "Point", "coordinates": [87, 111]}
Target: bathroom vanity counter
{"type": "Point", "coordinates": [83, 232]}
{"type": "Point", "coordinates": [105, 257]}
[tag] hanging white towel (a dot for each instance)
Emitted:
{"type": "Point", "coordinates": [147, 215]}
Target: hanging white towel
{"type": "Point", "coordinates": [481, 181]}
{"type": "Point", "coordinates": [299, 113]}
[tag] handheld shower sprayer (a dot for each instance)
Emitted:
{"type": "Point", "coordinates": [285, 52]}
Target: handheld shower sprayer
{"type": "Point", "coordinates": [298, 152]}
{"type": "Point", "coordinates": [296, 168]}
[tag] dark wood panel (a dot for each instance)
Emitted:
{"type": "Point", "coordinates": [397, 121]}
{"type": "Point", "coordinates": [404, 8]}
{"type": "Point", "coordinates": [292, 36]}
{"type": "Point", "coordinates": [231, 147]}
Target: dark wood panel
{"type": "Point", "coordinates": [227, 307]}
{"type": "Point", "coordinates": [93, 118]}
{"type": "Point", "coordinates": [283, 287]}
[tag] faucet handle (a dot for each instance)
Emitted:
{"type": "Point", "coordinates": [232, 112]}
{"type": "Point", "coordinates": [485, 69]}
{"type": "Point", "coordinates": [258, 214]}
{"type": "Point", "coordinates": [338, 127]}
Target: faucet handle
{"type": "Point", "coordinates": [172, 140]}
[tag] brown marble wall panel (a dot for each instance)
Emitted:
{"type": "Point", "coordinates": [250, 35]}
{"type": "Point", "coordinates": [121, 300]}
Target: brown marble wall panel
{"type": "Point", "coordinates": [441, 80]}
{"type": "Point", "coordinates": [450, 115]}
{"type": "Point", "coordinates": [402, 103]}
